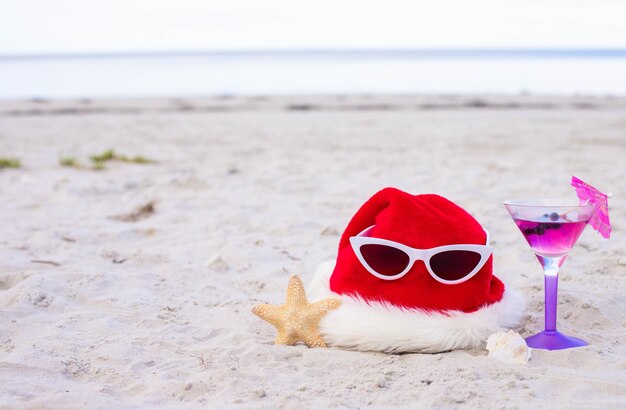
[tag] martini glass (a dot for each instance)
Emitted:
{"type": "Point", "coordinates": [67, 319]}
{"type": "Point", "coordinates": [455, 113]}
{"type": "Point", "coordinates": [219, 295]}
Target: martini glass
{"type": "Point", "coordinates": [551, 228]}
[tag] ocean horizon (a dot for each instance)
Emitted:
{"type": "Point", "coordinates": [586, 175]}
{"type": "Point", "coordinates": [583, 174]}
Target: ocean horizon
{"type": "Point", "coordinates": [314, 71]}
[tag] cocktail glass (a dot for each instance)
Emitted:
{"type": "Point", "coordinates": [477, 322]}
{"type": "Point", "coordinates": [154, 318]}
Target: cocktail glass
{"type": "Point", "coordinates": [551, 228]}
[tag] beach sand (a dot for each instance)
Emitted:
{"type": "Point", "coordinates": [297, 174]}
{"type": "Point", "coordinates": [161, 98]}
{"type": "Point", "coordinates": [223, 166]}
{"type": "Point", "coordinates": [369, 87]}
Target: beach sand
{"type": "Point", "coordinates": [101, 312]}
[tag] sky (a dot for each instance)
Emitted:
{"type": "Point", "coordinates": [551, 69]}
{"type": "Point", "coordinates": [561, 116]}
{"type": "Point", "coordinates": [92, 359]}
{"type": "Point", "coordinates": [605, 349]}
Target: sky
{"type": "Point", "coordinates": [89, 26]}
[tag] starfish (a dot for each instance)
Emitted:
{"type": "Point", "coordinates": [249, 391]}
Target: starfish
{"type": "Point", "coordinates": [297, 320]}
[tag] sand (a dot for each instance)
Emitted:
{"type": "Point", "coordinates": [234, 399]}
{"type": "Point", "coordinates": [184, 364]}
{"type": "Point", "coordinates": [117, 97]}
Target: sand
{"type": "Point", "coordinates": [102, 312]}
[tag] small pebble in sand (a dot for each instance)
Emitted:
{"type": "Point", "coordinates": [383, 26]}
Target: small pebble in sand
{"type": "Point", "coordinates": [508, 347]}
{"type": "Point", "coordinates": [40, 299]}
{"type": "Point", "coordinates": [217, 263]}
{"type": "Point", "coordinates": [622, 261]}
{"type": "Point", "coordinates": [381, 382]}
{"type": "Point", "coordinates": [329, 231]}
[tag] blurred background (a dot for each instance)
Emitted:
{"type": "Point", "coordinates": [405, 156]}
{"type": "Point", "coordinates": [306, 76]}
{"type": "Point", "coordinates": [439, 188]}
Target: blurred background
{"type": "Point", "coordinates": [145, 48]}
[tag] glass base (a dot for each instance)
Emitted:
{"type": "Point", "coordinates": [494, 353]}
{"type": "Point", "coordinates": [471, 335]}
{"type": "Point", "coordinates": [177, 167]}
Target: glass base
{"type": "Point", "coordinates": [553, 340]}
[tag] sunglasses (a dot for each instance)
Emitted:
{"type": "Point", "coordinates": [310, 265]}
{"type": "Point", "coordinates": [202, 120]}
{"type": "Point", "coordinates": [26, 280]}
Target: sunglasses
{"type": "Point", "coordinates": [389, 260]}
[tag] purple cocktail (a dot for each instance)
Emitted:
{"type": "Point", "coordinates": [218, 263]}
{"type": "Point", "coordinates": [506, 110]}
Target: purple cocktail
{"type": "Point", "coordinates": [551, 238]}
{"type": "Point", "coordinates": [551, 229]}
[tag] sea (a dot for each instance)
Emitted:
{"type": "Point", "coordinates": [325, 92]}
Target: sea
{"type": "Point", "coordinates": [315, 72]}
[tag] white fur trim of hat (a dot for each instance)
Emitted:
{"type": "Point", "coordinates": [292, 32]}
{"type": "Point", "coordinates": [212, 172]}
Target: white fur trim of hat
{"type": "Point", "coordinates": [374, 326]}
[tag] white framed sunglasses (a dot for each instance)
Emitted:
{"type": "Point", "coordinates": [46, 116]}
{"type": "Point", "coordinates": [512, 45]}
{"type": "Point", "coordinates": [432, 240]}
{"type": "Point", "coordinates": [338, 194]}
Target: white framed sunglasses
{"type": "Point", "coordinates": [449, 264]}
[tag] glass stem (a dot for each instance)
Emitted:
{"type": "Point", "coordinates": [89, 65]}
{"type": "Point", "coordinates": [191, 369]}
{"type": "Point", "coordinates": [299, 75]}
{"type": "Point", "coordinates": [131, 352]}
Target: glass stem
{"type": "Point", "coordinates": [551, 283]}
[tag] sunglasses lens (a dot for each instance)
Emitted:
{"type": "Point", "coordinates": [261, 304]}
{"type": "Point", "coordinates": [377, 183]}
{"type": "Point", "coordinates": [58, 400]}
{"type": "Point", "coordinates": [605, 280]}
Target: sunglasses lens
{"type": "Point", "coordinates": [385, 260]}
{"type": "Point", "coordinates": [454, 265]}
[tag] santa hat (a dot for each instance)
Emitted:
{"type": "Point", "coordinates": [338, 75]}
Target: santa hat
{"type": "Point", "coordinates": [416, 312]}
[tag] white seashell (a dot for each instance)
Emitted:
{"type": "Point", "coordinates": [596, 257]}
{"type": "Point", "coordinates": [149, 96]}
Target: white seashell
{"type": "Point", "coordinates": [508, 347]}
{"type": "Point", "coordinates": [217, 263]}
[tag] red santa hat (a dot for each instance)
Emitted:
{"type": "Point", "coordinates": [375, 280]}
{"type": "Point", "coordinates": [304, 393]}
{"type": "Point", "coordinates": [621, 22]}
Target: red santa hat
{"type": "Point", "coordinates": [420, 310]}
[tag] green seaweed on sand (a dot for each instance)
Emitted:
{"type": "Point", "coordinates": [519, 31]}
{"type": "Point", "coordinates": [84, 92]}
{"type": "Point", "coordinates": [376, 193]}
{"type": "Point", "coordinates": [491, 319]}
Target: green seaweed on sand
{"type": "Point", "coordinates": [139, 159]}
{"type": "Point", "coordinates": [111, 155]}
{"type": "Point", "coordinates": [98, 166]}
{"type": "Point", "coordinates": [9, 163]}
{"type": "Point", "coordinates": [108, 155]}
{"type": "Point", "coordinates": [69, 162]}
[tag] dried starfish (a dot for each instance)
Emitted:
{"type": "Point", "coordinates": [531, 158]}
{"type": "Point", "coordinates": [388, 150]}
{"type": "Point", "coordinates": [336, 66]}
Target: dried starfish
{"type": "Point", "coordinates": [297, 320]}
